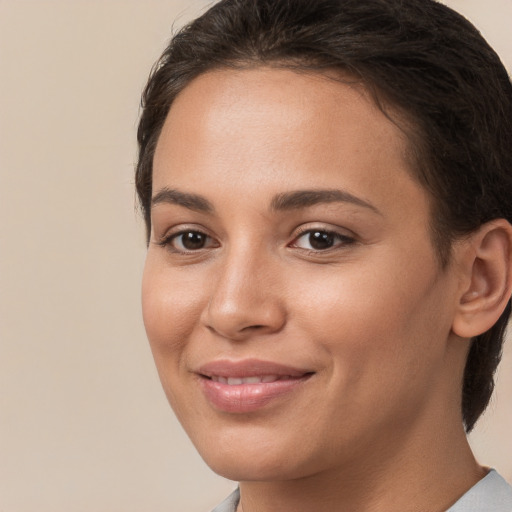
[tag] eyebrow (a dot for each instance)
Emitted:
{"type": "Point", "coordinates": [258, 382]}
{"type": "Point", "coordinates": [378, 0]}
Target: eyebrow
{"type": "Point", "coordinates": [305, 198]}
{"type": "Point", "coordinates": [294, 200]}
{"type": "Point", "coordinates": [191, 201]}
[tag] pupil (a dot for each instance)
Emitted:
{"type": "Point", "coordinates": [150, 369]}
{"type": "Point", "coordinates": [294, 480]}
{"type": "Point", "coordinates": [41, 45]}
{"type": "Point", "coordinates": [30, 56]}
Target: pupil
{"type": "Point", "coordinates": [193, 240]}
{"type": "Point", "coordinates": [321, 240]}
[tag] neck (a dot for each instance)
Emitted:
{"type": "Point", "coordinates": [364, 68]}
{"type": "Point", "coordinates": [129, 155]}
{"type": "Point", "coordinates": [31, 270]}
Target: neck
{"type": "Point", "coordinates": [419, 471]}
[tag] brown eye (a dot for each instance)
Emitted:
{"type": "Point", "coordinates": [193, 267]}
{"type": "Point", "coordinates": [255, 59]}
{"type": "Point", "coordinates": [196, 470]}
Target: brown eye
{"type": "Point", "coordinates": [321, 240]}
{"type": "Point", "coordinates": [190, 241]}
{"type": "Point", "coordinates": [193, 240]}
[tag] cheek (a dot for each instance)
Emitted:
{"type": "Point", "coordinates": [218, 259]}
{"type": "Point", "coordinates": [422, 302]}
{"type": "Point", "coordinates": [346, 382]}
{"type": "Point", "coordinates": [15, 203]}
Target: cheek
{"type": "Point", "coordinates": [170, 310]}
{"type": "Point", "coordinates": [349, 303]}
{"type": "Point", "coordinates": [378, 314]}
{"type": "Point", "coordinates": [376, 332]}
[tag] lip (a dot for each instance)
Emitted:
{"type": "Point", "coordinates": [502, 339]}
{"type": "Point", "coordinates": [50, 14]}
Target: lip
{"type": "Point", "coordinates": [248, 397]}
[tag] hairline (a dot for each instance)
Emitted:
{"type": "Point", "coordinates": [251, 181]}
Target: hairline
{"type": "Point", "coordinates": [405, 121]}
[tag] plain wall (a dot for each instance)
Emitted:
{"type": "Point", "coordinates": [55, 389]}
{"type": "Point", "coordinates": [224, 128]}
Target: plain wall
{"type": "Point", "coordinates": [84, 425]}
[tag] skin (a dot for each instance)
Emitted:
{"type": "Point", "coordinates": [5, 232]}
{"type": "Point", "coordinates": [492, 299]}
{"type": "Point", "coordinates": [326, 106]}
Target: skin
{"type": "Point", "coordinates": [377, 427]}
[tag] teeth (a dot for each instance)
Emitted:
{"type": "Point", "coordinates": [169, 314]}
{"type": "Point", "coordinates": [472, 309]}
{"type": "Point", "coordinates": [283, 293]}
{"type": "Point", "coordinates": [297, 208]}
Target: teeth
{"type": "Point", "coordinates": [270, 378]}
{"type": "Point", "coordinates": [233, 381]}
{"type": "Point", "coordinates": [252, 380]}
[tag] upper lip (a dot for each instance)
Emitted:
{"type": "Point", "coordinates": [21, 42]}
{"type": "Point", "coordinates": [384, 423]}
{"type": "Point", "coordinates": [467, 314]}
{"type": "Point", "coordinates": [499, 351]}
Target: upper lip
{"type": "Point", "coordinates": [249, 368]}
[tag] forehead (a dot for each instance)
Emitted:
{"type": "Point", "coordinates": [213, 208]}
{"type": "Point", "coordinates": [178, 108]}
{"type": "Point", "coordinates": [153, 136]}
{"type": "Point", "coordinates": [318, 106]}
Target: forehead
{"type": "Point", "coordinates": [281, 129]}
{"type": "Point", "coordinates": [219, 101]}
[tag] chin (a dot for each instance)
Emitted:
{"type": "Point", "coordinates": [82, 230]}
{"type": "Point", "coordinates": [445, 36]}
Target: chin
{"type": "Point", "coordinates": [242, 468]}
{"type": "Point", "coordinates": [256, 461]}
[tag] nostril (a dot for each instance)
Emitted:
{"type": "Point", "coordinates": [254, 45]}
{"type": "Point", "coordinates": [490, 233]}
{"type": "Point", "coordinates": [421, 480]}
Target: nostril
{"type": "Point", "coordinates": [254, 327]}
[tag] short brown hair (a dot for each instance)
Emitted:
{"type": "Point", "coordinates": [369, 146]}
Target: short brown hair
{"type": "Point", "coordinates": [417, 56]}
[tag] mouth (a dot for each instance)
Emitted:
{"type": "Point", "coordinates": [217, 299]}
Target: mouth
{"type": "Point", "coordinates": [248, 385]}
{"type": "Point", "coordinates": [235, 381]}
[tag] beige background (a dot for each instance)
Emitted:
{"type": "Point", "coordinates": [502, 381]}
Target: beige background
{"type": "Point", "coordinates": [84, 425]}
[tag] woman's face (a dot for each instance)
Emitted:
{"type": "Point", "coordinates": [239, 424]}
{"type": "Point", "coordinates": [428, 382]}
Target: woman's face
{"type": "Point", "coordinates": [292, 298]}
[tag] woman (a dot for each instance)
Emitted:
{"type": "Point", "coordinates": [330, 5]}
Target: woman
{"type": "Point", "coordinates": [326, 187]}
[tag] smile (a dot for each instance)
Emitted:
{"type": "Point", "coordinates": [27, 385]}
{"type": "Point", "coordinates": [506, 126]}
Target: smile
{"type": "Point", "coordinates": [249, 385]}
{"type": "Point", "coordinates": [234, 381]}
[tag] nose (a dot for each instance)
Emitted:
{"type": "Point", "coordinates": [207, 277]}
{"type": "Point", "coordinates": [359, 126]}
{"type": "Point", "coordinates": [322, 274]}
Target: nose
{"type": "Point", "coordinates": [246, 299]}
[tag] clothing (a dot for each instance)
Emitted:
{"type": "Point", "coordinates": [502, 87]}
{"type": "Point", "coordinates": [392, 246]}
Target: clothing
{"type": "Point", "coordinates": [230, 503]}
{"type": "Point", "coordinates": [491, 494]}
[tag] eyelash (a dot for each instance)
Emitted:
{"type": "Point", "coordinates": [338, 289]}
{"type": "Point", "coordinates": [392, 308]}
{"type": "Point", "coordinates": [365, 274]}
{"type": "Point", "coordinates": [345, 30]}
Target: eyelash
{"type": "Point", "coordinates": [343, 240]}
{"type": "Point", "coordinates": [167, 241]}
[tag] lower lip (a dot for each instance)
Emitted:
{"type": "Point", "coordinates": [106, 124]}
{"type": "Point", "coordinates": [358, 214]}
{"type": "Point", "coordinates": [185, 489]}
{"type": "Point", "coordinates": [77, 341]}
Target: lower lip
{"type": "Point", "coordinates": [245, 398]}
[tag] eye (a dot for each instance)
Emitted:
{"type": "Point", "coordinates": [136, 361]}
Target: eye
{"type": "Point", "coordinates": [188, 241]}
{"type": "Point", "coordinates": [320, 240]}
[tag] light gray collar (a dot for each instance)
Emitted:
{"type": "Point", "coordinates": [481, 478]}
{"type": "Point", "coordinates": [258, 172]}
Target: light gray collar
{"type": "Point", "coordinates": [491, 494]}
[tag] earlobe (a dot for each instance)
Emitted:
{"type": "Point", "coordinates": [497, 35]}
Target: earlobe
{"type": "Point", "coordinates": [486, 286]}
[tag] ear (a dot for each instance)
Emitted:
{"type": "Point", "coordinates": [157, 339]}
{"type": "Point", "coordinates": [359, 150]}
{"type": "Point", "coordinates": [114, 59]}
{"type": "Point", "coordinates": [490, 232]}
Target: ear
{"type": "Point", "coordinates": [486, 284]}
